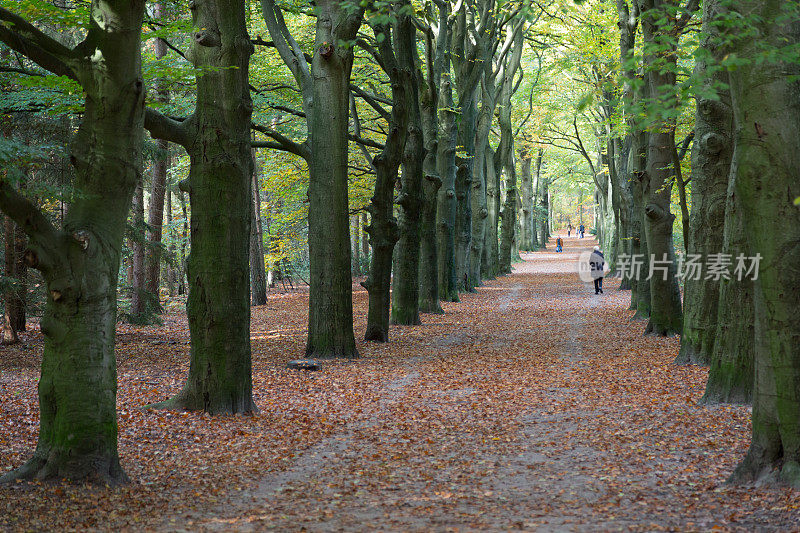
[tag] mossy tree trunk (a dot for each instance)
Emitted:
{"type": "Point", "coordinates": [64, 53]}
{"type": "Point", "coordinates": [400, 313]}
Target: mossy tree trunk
{"type": "Point", "coordinates": [464, 180]}
{"type": "Point", "coordinates": [158, 188]}
{"type": "Point", "coordinates": [661, 41]}
{"type": "Point", "coordinates": [732, 373]}
{"type": "Point", "coordinates": [405, 284]}
{"type": "Point", "coordinates": [324, 86]}
{"type": "Point", "coordinates": [258, 269]}
{"type": "Point", "coordinates": [711, 162]}
{"type": "Point", "coordinates": [428, 251]}
{"type": "Point", "coordinates": [507, 155]}
{"type": "Point", "coordinates": [544, 211]}
{"type": "Point", "coordinates": [217, 139]}
{"type": "Point", "coordinates": [15, 296]}
{"type": "Point", "coordinates": [383, 230]}
{"type": "Point", "coordinates": [490, 259]}
{"type": "Point", "coordinates": [480, 210]}
{"type": "Point", "coordinates": [139, 299]}
{"type": "Point", "coordinates": [80, 263]}
{"type": "Point", "coordinates": [447, 201]}
{"type": "Point", "coordinates": [330, 322]}
{"type": "Point", "coordinates": [527, 201]}
{"type": "Point", "coordinates": [766, 104]}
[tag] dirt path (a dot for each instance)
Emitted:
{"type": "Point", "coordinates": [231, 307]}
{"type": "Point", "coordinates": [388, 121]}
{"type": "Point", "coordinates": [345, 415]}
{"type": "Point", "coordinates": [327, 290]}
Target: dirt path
{"type": "Point", "coordinates": [541, 409]}
{"type": "Point", "coordinates": [531, 405]}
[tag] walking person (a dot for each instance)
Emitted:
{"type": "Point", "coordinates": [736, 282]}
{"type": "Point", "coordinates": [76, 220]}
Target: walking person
{"type": "Point", "coordinates": [559, 244]}
{"type": "Point", "coordinates": [569, 229]}
{"type": "Point", "coordinates": [597, 262]}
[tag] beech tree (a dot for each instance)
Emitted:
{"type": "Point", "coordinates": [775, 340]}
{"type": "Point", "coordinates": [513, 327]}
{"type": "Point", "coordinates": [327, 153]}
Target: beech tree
{"type": "Point", "coordinates": [217, 139]}
{"type": "Point", "coordinates": [80, 261]}
{"type": "Point", "coordinates": [766, 104]}
{"type": "Point", "coordinates": [383, 230]}
{"type": "Point", "coordinates": [711, 159]}
{"type": "Point", "coordinates": [661, 42]}
{"type": "Point", "coordinates": [324, 83]}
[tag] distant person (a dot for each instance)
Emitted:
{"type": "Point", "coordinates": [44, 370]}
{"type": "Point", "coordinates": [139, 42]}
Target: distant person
{"type": "Point", "coordinates": [580, 231]}
{"type": "Point", "coordinates": [559, 244]}
{"type": "Point", "coordinates": [569, 229]}
{"type": "Point", "coordinates": [597, 262]}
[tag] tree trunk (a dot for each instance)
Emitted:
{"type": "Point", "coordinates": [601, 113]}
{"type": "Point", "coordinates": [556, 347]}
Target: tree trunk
{"type": "Point", "coordinates": [665, 299]}
{"type": "Point", "coordinates": [428, 251]}
{"type": "Point", "coordinates": [405, 287]}
{"type": "Point", "coordinates": [364, 239]}
{"type": "Point", "coordinates": [507, 156]}
{"type": "Point", "coordinates": [182, 259]}
{"type": "Point", "coordinates": [80, 265]}
{"type": "Point", "coordinates": [640, 291]}
{"type": "Point", "coordinates": [171, 281]}
{"type": "Point", "coordinates": [480, 209]}
{"type": "Point", "coordinates": [490, 259]}
{"type": "Point", "coordinates": [508, 219]}
{"type": "Point", "coordinates": [446, 209]}
{"type": "Point", "coordinates": [138, 297]}
{"type": "Point", "coordinates": [464, 176]}
{"type": "Point", "coordinates": [330, 317]}
{"type": "Point", "coordinates": [544, 210]}
{"type": "Point", "coordinates": [766, 104]}
{"type": "Point", "coordinates": [383, 231]}
{"type": "Point", "coordinates": [15, 297]}
{"type": "Point", "coordinates": [155, 215]}
{"type": "Point", "coordinates": [355, 233]}
{"type": "Point", "coordinates": [711, 162]}
{"type": "Point", "coordinates": [535, 201]}
{"type": "Point", "coordinates": [258, 271]}
{"type": "Point", "coordinates": [220, 192]}
{"type": "Point", "coordinates": [732, 372]}
{"type": "Point", "coordinates": [527, 202]}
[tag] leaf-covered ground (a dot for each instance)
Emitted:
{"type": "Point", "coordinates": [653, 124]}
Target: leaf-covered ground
{"type": "Point", "coordinates": [530, 405]}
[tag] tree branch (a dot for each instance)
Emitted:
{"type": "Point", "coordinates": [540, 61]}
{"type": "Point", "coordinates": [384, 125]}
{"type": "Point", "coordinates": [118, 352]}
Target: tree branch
{"type": "Point", "coordinates": [163, 127]}
{"type": "Point", "coordinates": [27, 216]}
{"type": "Point", "coordinates": [372, 100]}
{"type": "Point", "coordinates": [283, 142]}
{"type": "Point", "coordinates": [34, 44]}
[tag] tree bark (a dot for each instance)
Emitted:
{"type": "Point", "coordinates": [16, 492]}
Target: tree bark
{"type": "Point", "coordinates": [383, 230]}
{"type": "Point", "coordinates": [155, 215]}
{"type": "Point", "coordinates": [527, 202]}
{"type": "Point", "coordinates": [665, 300]}
{"type": "Point", "coordinates": [766, 105]}
{"type": "Point", "coordinates": [507, 155]}
{"type": "Point", "coordinates": [330, 318]}
{"type": "Point", "coordinates": [139, 300]}
{"type": "Point", "coordinates": [258, 271]}
{"type": "Point", "coordinates": [405, 288]}
{"type": "Point", "coordinates": [171, 278]}
{"type": "Point", "coordinates": [15, 268]}
{"type": "Point", "coordinates": [447, 203]}
{"type": "Point", "coordinates": [732, 373]}
{"type": "Point", "coordinates": [80, 264]}
{"type": "Point", "coordinates": [544, 210]}
{"type": "Point", "coordinates": [711, 162]}
{"type": "Point", "coordinates": [217, 139]}
{"type": "Point", "coordinates": [429, 252]}
{"type": "Point", "coordinates": [490, 259]}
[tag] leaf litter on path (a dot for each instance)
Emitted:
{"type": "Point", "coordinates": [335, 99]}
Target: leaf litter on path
{"type": "Point", "coordinates": [531, 405]}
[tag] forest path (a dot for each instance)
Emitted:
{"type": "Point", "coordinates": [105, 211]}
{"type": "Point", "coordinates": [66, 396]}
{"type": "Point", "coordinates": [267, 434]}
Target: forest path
{"type": "Point", "coordinates": [535, 406]}
{"type": "Point", "coordinates": [530, 405]}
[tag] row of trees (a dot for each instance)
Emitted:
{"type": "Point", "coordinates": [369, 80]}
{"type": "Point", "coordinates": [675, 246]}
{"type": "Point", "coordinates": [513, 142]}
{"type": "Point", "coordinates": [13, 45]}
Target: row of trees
{"type": "Point", "coordinates": [743, 193]}
{"type": "Point", "coordinates": [438, 113]}
{"type": "Point", "coordinates": [444, 245]}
